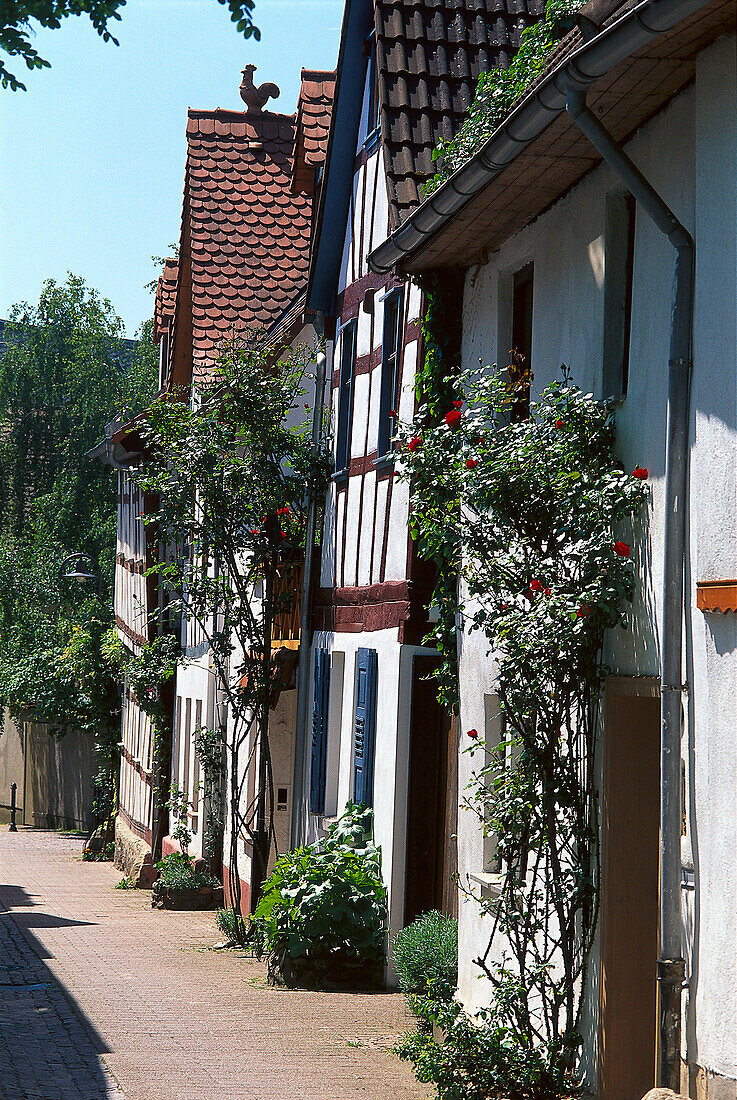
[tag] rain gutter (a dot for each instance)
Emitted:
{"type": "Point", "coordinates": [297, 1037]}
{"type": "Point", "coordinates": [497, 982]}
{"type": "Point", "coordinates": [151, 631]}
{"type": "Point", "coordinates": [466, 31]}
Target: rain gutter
{"type": "Point", "coordinates": [528, 120]}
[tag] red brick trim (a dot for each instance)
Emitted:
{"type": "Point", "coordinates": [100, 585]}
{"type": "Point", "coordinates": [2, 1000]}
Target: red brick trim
{"type": "Point", "coordinates": [136, 827]}
{"type": "Point", "coordinates": [245, 891]}
{"type": "Point", "coordinates": [130, 633]}
{"type": "Point", "coordinates": [136, 765]}
{"type": "Point", "coordinates": [371, 607]}
{"type": "Point", "coordinates": [132, 565]}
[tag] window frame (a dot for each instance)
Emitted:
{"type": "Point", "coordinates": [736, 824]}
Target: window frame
{"type": "Point", "coordinates": [619, 265]}
{"type": "Point", "coordinates": [346, 385]}
{"type": "Point", "coordinates": [373, 120]}
{"type": "Point", "coordinates": [391, 365]}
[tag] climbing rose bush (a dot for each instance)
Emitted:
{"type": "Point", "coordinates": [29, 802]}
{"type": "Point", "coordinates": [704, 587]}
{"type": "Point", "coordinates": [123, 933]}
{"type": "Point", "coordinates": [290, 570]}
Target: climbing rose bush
{"type": "Point", "coordinates": [535, 515]}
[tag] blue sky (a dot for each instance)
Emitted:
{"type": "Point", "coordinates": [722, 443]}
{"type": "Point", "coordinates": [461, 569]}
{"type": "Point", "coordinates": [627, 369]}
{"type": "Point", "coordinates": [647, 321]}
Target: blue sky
{"type": "Point", "coordinates": [92, 155]}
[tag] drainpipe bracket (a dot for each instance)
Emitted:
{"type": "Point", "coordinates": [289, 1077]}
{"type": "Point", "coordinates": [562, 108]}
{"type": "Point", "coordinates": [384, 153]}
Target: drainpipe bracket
{"type": "Point", "coordinates": [672, 972]}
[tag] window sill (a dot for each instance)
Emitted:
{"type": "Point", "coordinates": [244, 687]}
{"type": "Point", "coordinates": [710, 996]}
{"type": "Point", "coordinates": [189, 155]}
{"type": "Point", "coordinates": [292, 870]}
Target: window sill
{"type": "Point", "coordinates": [340, 476]}
{"type": "Point", "coordinates": [490, 882]}
{"type": "Point", "coordinates": [385, 462]}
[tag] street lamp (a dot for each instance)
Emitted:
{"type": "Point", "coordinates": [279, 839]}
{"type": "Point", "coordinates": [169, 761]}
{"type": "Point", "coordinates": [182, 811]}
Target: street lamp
{"type": "Point", "coordinates": [81, 568]}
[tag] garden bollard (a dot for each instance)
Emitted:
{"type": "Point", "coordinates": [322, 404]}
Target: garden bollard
{"type": "Point", "coordinates": [13, 789]}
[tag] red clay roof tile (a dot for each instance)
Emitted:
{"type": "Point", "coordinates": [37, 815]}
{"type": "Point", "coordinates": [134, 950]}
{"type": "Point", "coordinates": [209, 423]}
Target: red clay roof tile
{"type": "Point", "coordinates": [429, 56]}
{"type": "Point", "coordinates": [249, 232]}
{"type": "Point", "coordinates": [312, 127]}
{"type": "Point", "coordinates": [166, 295]}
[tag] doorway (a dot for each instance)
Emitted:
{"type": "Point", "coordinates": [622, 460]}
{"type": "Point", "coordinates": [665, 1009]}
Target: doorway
{"type": "Point", "coordinates": [629, 888]}
{"type": "Point", "coordinates": [432, 811]}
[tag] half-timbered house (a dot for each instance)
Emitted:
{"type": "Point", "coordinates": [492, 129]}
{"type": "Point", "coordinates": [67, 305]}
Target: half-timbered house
{"type": "Point", "coordinates": [246, 226]}
{"type": "Point", "coordinates": [571, 224]}
{"type": "Point", "coordinates": [406, 73]}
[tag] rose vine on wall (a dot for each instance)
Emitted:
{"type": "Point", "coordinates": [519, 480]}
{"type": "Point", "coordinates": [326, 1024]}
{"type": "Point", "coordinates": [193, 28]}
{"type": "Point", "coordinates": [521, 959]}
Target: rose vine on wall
{"type": "Point", "coordinates": [531, 515]}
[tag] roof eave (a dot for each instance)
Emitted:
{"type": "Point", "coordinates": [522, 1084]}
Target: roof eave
{"type": "Point", "coordinates": [337, 182]}
{"type": "Point", "coordinates": [614, 44]}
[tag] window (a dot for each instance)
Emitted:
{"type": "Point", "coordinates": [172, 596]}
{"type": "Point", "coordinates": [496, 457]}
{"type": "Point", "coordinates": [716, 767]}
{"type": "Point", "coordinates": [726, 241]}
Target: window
{"type": "Point", "coordinates": [195, 800]}
{"type": "Point", "coordinates": [502, 754]}
{"type": "Point", "coordinates": [372, 112]}
{"type": "Point", "coordinates": [493, 738]}
{"type": "Point", "coordinates": [390, 364]}
{"type": "Point", "coordinates": [345, 395]}
{"type": "Point", "coordinates": [520, 359]}
{"type": "Point", "coordinates": [185, 747]}
{"type": "Point", "coordinates": [364, 727]}
{"type": "Point", "coordinates": [619, 253]}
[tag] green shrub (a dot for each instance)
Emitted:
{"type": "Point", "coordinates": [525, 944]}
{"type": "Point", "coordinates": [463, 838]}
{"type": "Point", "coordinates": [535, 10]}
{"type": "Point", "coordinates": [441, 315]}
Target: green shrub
{"type": "Point", "coordinates": [426, 956]}
{"type": "Point", "coordinates": [177, 870]}
{"type": "Point", "coordinates": [326, 900]}
{"type": "Point", "coordinates": [482, 1058]}
{"type": "Point", "coordinates": [125, 884]}
{"type": "Point", "coordinates": [230, 925]}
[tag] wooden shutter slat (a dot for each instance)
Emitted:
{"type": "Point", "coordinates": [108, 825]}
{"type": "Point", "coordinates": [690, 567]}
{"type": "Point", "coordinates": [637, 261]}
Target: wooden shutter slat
{"type": "Point", "coordinates": [321, 698]}
{"type": "Point", "coordinates": [364, 732]}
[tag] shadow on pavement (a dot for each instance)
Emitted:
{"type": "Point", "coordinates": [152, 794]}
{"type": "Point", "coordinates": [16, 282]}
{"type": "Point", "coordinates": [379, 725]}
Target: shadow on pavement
{"type": "Point", "coordinates": [48, 1048]}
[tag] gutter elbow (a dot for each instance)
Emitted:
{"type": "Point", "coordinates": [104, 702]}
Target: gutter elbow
{"type": "Point", "coordinates": [681, 239]}
{"type": "Point", "coordinates": [576, 102]}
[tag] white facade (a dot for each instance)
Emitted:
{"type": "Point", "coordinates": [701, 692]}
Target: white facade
{"type": "Point", "coordinates": [689, 154]}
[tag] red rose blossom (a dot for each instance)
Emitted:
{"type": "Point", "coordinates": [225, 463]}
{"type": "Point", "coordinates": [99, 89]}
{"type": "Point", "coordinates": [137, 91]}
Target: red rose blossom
{"type": "Point", "coordinates": [453, 418]}
{"type": "Point", "coordinates": [473, 734]}
{"type": "Point", "coordinates": [535, 585]}
{"type": "Point", "coordinates": [414, 443]}
{"type": "Point", "coordinates": [622, 549]}
{"type": "Point", "coordinates": [254, 531]}
{"type": "Point", "coordinates": [457, 404]}
{"type": "Point", "coordinates": [471, 463]}
{"type": "Point", "coordinates": [584, 611]}
{"type": "Point", "coordinates": [547, 591]}
{"type": "Point", "coordinates": [560, 424]}
{"type": "Point", "coordinates": [640, 473]}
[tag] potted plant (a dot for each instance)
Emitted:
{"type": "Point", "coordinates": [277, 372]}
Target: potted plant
{"type": "Point", "coordinates": [182, 884]}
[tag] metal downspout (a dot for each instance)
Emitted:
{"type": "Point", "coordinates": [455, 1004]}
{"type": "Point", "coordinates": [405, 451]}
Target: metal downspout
{"type": "Point", "coordinates": [671, 967]}
{"type": "Point", "coordinates": [303, 667]}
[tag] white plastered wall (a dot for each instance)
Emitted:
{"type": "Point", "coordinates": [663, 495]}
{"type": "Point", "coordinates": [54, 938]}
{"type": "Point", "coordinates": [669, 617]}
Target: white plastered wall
{"type": "Point", "coordinates": [393, 705]}
{"type": "Point", "coordinates": [689, 153]}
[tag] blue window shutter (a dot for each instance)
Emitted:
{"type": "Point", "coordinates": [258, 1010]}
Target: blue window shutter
{"type": "Point", "coordinates": [364, 733]}
{"type": "Point", "coordinates": [320, 731]}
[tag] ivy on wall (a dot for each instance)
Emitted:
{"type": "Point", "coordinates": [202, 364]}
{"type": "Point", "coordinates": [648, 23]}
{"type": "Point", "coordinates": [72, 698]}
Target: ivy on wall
{"type": "Point", "coordinates": [498, 90]}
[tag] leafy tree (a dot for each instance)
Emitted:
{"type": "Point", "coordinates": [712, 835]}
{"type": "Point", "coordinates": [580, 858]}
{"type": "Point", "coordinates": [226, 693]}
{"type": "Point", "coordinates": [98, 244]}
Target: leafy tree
{"type": "Point", "coordinates": [65, 372]}
{"type": "Point", "coordinates": [233, 471]}
{"type": "Point", "coordinates": [16, 29]}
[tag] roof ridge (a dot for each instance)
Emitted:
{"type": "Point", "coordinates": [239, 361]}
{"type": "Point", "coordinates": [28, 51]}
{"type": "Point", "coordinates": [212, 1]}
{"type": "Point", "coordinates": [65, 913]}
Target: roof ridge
{"type": "Point", "coordinates": [235, 116]}
{"type": "Point", "coordinates": [326, 73]}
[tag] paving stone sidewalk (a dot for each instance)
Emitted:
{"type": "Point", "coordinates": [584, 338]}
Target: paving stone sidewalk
{"type": "Point", "coordinates": [103, 997]}
{"type": "Point", "coordinates": [46, 1050]}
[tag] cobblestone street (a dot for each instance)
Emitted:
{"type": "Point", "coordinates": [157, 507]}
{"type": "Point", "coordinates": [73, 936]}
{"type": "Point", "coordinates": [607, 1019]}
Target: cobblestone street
{"type": "Point", "coordinates": [145, 1010]}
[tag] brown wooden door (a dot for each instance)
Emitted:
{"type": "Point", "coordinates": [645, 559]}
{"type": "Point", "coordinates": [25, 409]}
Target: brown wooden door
{"type": "Point", "coordinates": [430, 879]}
{"type": "Point", "coordinates": [629, 889]}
